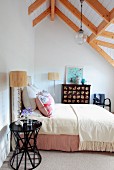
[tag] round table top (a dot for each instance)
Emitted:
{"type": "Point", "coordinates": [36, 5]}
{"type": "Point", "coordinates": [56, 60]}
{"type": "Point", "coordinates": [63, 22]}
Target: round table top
{"type": "Point", "coordinates": [25, 125]}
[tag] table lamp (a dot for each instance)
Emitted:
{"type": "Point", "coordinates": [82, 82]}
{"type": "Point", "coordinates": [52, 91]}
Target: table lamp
{"type": "Point", "coordinates": [53, 76]}
{"type": "Point", "coordinates": [18, 79]}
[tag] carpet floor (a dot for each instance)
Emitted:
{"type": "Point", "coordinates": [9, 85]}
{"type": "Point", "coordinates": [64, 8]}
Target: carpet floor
{"type": "Point", "coordinates": [56, 160]}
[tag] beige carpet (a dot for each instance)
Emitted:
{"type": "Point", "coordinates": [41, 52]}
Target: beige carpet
{"type": "Point", "coordinates": [55, 160]}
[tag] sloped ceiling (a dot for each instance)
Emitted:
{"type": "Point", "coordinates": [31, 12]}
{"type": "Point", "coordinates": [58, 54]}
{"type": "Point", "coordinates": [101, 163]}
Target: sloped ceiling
{"type": "Point", "coordinates": [98, 20]}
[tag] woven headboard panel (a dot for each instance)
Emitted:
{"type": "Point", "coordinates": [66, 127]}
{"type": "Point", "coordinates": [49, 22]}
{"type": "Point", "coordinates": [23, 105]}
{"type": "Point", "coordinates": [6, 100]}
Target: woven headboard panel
{"type": "Point", "coordinates": [14, 103]}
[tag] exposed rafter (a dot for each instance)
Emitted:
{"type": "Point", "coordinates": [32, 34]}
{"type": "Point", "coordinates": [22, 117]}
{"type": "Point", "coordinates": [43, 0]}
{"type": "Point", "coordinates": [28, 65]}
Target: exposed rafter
{"type": "Point", "coordinates": [75, 28]}
{"type": "Point", "coordinates": [96, 31]}
{"type": "Point", "coordinates": [41, 16]}
{"type": "Point", "coordinates": [77, 13]}
{"type": "Point", "coordinates": [102, 26]}
{"type": "Point", "coordinates": [35, 5]}
{"type": "Point", "coordinates": [102, 53]}
{"type": "Point", "coordinates": [100, 9]}
{"type": "Point", "coordinates": [107, 34]}
{"type": "Point", "coordinates": [103, 43]}
{"type": "Point", "coordinates": [66, 20]}
{"type": "Point", "coordinates": [52, 10]}
{"type": "Point", "coordinates": [112, 15]}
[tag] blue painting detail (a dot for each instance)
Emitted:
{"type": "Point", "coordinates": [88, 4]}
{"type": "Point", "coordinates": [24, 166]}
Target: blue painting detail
{"type": "Point", "coordinates": [72, 73]}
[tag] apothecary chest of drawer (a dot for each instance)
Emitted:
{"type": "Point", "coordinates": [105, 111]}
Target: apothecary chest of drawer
{"type": "Point", "coordinates": [74, 93]}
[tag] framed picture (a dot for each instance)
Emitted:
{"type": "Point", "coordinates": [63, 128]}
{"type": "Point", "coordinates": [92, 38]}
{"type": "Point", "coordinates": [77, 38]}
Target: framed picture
{"type": "Point", "coordinates": [73, 74]}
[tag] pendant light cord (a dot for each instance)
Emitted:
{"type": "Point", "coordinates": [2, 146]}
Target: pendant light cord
{"type": "Point", "coordinates": [81, 15]}
{"type": "Point", "coordinates": [81, 37]}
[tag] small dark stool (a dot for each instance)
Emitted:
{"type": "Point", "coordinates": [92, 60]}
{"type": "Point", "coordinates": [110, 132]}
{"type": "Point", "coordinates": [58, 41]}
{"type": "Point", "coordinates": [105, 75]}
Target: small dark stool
{"type": "Point", "coordinates": [99, 99]}
{"type": "Point", "coordinates": [26, 152]}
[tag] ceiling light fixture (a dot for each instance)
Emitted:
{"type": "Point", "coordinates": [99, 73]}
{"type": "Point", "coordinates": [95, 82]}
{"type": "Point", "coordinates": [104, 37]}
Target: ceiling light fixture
{"type": "Point", "coordinates": [80, 36]}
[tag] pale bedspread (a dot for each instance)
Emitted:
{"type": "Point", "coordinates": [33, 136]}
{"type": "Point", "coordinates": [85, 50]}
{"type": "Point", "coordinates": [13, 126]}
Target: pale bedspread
{"type": "Point", "coordinates": [63, 121]}
{"type": "Point", "coordinates": [96, 127]}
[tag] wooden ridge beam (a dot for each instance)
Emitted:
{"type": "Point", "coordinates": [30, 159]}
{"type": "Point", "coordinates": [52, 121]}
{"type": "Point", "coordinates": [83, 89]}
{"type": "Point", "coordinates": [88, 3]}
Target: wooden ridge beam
{"type": "Point", "coordinates": [52, 10]}
{"type": "Point", "coordinates": [77, 13]}
{"type": "Point", "coordinates": [104, 44]}
{"type": "Point", "coordinates": [102, 53]}
{"type": "Point", "coordinates": [107, 34]}
{"type": "Point", "coordinates": [35, 5]}
{"type": "Point", "coordinates": [41, 16]}
{"type": "Point", "coordinates": [100, 9]}
{"type": "Point", "coordinates": [66, 20]}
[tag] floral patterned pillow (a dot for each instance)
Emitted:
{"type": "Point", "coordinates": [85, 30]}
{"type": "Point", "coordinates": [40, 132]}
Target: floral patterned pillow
{"type": "Point", "coordinates": [45, 103]}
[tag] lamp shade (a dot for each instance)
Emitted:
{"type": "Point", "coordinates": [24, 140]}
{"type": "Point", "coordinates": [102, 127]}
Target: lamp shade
{"type": "Point", "coordinates": [18, 78]}
{"type": "Point", "coordinates": [53, 76]}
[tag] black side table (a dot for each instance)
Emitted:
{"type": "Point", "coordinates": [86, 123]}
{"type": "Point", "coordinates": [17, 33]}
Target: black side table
{"type": "Point", "coordinates": [26, 154]}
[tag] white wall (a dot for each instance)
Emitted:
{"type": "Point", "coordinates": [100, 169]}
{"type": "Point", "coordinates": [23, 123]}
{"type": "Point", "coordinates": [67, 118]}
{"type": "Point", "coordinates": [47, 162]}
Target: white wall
{"type": "Point", "coordinates": [16, 53]}
{"type": "Point", "coordinates": [56, 47]}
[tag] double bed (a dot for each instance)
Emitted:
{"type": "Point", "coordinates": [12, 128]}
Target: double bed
{"type": "Point", "coordinates": [76, 127]}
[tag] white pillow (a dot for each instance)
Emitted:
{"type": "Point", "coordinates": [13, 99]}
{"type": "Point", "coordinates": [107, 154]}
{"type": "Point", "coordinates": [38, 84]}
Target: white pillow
{"type": "Point", "coordinates": [28, 96]}
{"type": "Point", "coordinates": [35, 88]}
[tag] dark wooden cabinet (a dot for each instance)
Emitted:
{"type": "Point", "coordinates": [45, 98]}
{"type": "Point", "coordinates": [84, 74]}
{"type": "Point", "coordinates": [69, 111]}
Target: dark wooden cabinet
{"type": "Point", "coordinates": [73, 93]}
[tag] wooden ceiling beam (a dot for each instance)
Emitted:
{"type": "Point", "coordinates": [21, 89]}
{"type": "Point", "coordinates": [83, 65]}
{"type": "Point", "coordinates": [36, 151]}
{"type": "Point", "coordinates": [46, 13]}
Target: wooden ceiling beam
{"type": "Point", "coordinates": [102, 53]}
{"type": "Point", "coordinates": [41, 16]}
{"type": "Point", "coordinates": [75, 28]}
{"type": "Point", "coordinates": [35, 5]}
{"type": "Point", "coordinates": [66, 20]}
{"type": "Point", "coordinates": [104, 44]}
{"type": "Point", "coordinates": [100, 9]}
{"type": "Point", "coordinates": [92, 37]}
{"type": "Point", "coordinates": [52, 10]}
{"type": "Point", "coordinates": [107, 34]}
{"type": "Point", "coordinates": [112, 15]}
{"type": "Point", "coordinates": [103, 25]}
{"type": "Point", "coordinates": [77, 13]}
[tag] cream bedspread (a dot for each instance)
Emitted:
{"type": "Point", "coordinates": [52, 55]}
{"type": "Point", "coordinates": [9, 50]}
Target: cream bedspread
{"type": "Point", "coordinates": [93, 124]}
{"type": "Point", "coordinates": [96, 127]}
{"type": "Point", "coordinates": [63, 121]}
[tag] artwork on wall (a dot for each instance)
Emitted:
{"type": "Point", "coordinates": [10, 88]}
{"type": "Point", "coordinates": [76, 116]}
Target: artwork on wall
{"type": "Point", "coordinates": [73, 74]}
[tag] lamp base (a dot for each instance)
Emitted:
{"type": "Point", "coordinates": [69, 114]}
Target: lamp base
{"type": "Point", "coordinates": [19, 102]}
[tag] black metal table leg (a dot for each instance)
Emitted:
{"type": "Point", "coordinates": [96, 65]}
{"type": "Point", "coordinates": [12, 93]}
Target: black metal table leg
{"type": "Point", "coordinates": [26, 149]}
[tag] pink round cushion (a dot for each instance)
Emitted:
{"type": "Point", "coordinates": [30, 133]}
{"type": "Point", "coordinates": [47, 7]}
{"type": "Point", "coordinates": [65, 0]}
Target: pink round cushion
{"type": "Point", "coordinates": [45, 104]}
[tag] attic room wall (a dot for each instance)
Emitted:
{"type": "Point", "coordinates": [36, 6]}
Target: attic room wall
{"type": "Point", "coordinates": [16, 53]}
{"type": "Point", "coordinates": [56, 47]}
